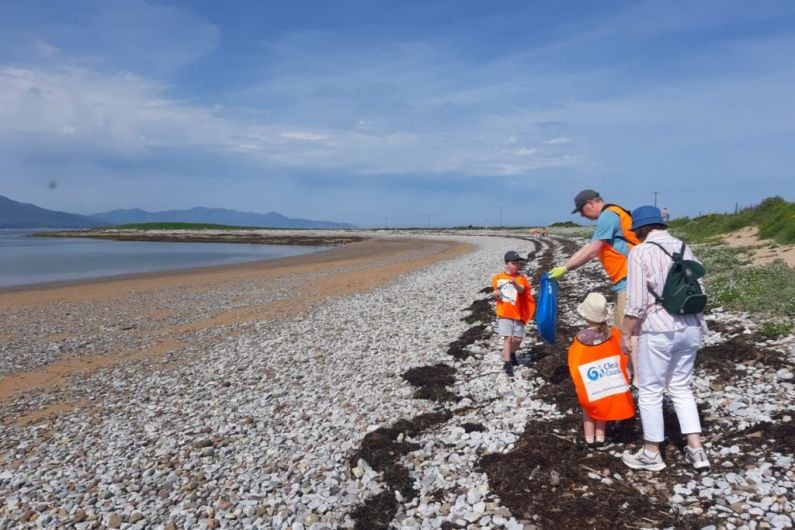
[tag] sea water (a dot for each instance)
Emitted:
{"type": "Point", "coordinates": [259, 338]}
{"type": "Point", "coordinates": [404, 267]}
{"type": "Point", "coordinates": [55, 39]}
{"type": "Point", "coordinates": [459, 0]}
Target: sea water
{"type": "Point", "coordinates": [30, 260]}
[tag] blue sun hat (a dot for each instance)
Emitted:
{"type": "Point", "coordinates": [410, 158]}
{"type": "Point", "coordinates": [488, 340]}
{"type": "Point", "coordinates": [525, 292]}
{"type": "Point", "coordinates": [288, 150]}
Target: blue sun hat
{"type": "Point", "coordinates": [645, 216]}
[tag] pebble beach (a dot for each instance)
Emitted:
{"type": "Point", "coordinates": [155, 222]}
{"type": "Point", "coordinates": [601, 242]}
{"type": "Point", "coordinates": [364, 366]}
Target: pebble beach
{"type": "Point", "coordinates": [251, 398]}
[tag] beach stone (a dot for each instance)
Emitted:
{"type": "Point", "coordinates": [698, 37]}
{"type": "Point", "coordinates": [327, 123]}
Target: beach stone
{"type": "Point", "coordinates": [281, 445]}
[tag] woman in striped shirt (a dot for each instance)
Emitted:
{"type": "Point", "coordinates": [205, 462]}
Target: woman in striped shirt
{"type": "Point", "coordinates": [667, 347]}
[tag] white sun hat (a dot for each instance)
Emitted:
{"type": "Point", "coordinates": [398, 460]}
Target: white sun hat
{"type": "Point", "coordinates": [594, 308]}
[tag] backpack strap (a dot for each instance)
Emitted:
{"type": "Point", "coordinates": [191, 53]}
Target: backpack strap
{"type": "Point", "coordinates": [609, 204]}
{"type": "Point", "coordinates": [620, 236]}
{"type": "Point", "coordinates": [682, 251]}
{"type": "Point", "coordinates": [663, 248]}
{"type": "Point", "coordinates": [657, 298]}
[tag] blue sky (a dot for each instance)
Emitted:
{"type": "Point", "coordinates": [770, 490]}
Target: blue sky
{"type": "Point", "coordinates": [382, 112]}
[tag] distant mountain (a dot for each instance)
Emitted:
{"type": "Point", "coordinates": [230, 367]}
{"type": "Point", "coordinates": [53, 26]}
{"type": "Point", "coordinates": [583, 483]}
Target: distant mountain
{"type": "Point", "coordinates": [15, 214]}
{"type": "Point", "coordinates": [212, 216]}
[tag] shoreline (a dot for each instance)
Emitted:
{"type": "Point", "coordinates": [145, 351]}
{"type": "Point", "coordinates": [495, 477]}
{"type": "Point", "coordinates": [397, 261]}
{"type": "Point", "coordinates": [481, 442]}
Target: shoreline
{"type": "Point", "coordinates": [59, 330]}
{"type": "Point", "coordinates": [262, 237]}
{"type": "Point", "coordinates": [286, 404]}
{"type": "Point", "coordinates": [56, 284]}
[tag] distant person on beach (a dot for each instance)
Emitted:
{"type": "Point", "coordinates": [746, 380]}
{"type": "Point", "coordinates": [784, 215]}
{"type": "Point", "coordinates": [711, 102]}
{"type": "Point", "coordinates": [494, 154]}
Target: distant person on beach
{"type": "Point", "coordinates": [611, 241]}
{"type": "Point", "coordinates": [544, 232]}
{"type": "Point", "coordinates": [665, 214]}
{"type": "Point", "coordinates": [515, 307]}
{"type": "Point", "coordinates": [598, 368]}
{"type": "Point", "coordinates": [667, 347]}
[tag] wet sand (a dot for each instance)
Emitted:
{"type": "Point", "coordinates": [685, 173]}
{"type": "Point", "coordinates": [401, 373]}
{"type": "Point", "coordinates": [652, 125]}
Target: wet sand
{"type": "Point", "coordinates": [55, 331]}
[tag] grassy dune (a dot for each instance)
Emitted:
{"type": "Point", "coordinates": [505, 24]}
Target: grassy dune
{"type": "Point", "coordinates": [774, 217]}
{"type": "Point", "coordinates": [733, 281]}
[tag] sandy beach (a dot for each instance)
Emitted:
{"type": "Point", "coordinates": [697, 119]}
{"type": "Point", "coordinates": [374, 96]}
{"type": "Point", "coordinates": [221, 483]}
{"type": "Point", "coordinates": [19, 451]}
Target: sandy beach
{"type": "Point", "coordinates": [357, 388]}
{"type": "Point", "coordinates": [90, 325]}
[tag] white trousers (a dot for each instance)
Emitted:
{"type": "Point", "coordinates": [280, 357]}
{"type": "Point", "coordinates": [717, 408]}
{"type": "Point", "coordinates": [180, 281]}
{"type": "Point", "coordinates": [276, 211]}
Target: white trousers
{"type": "Point", "coordinates": [665, 363]}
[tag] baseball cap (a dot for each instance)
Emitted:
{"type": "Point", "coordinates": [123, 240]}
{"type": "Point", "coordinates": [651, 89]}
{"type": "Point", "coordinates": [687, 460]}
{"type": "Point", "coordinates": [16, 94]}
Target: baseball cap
{"type": "Point", "coordinates": [512, 255]}
{"type": "Point", "coordinates": [583, 197]}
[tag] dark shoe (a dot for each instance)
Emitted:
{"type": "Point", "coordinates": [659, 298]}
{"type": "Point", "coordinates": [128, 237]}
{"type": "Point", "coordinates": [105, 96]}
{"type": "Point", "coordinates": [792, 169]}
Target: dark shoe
{"type": "Point", "coordinates": [514, 361]}
{"type": "Point", "coordinates": [507, 367]}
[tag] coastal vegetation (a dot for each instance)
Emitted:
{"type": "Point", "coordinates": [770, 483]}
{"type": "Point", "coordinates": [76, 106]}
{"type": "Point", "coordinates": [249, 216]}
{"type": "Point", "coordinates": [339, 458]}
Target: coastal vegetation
{"type": "Point", "coordinates": [775, 218]}
{"type": "Point", "coordinates": [181, 226]}
{"type": "Point", "coordinates": [565, 224]}
{"type": "Point", "coordinates": [209, 233]}
{"type": "Point", "coordinates": [734, 281]}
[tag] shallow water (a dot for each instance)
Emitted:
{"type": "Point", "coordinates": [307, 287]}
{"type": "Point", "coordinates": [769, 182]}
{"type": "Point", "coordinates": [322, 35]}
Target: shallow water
{"type": "Point", "coordinates": [29, 260]}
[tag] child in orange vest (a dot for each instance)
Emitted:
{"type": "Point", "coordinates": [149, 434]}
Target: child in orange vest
{"type": "Point", "coordinates": [599, 370]}
{"type": "Point", "coordinates": [515, 306]}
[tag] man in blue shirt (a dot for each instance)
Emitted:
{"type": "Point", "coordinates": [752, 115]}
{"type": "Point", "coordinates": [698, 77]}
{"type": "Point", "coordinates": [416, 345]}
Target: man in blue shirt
{"type": "Point", "coordinates": [611, 242]}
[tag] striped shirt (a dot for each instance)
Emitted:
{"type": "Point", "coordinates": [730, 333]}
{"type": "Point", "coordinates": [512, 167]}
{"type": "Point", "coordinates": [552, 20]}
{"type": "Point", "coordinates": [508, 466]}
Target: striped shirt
{"type": "Point", "coordinates": [648, 266]}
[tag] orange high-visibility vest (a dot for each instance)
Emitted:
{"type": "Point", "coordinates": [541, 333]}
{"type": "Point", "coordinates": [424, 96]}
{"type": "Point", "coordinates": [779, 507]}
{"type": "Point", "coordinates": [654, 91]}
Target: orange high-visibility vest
{"type": "Point", "coordinates": [514, 305]}
{"type": "Point", "coordinates": [613, 261]}
{"type": "Point", "coordinates": [601, 378]}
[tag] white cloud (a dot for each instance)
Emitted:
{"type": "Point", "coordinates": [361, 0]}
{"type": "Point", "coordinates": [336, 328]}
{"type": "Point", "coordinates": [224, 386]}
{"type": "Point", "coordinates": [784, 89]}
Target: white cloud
{"type": "Point", "coordinates": [307, 136]}
{"type": "Point", "coordinates": [115, 112]}
{"type": "Point", "coordinates": [559, 140]}
{"type": "Point", "coordinates": [524, 151]}
{"type": "Point", "coordinates": [129, 115]}
{"type": "Point", "coordinates": [45, 50]}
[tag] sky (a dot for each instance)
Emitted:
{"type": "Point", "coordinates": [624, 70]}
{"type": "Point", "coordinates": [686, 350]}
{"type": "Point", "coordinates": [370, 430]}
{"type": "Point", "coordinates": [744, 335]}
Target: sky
{"type": "Point", "coordinates": [397, 113]}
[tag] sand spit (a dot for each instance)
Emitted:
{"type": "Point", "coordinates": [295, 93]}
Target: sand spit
{"type": "Point", "coordinates": [254, 236]}
{"type": "Point", "coordinates": [256, 423]}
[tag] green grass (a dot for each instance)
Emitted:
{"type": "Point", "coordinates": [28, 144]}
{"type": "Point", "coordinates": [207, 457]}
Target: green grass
{"type": "Point", "coordinates": [565, 224]}
{"type": "Point", "coordinates": [774, 217]}
{"type": "Point", "coordinates": [736, 285]}
{"type": "Point", "coordinates": [181, 226]}
{"type": "Point", "coordinates": [775, 329]}
{"type": "Point", "coordinates": [733, 282]}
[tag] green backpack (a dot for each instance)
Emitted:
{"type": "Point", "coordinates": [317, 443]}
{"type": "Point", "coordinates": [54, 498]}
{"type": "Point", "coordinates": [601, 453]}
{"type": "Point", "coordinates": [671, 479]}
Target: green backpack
{"type": "Point", "coordinates": [682, 294]}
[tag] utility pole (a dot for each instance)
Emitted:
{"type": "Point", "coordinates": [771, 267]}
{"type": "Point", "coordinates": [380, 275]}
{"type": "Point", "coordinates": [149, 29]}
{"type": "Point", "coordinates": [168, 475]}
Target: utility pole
{"type": "Point", "coordinates": [386, 223]}
{"type": "Point", "coordinates": [655, 198]}
{"type": "Point", "coordinates": [500, 223]}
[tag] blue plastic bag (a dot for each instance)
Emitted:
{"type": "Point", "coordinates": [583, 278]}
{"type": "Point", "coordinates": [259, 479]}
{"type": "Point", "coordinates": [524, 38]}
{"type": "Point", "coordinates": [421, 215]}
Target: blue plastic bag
{"type": "Point", "coordinates": [547, 309]}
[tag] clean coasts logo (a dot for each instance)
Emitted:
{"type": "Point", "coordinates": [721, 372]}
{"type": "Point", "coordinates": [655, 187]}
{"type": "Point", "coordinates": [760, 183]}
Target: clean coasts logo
{"type": "Point", "coordinates": [606, 369]}
{"type": "Point", "coordinates": [603, 378]}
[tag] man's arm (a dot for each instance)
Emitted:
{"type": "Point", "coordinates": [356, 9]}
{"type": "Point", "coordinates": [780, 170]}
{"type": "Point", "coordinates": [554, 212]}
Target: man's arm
{"type": "Point", "coordinates": [584, 255]}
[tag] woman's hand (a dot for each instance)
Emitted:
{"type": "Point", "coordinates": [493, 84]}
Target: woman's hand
{"type": "Point", "coordinates": [626, 344]}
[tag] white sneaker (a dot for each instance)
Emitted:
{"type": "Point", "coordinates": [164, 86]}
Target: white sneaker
{"type": "Point", "coordinates": [697, 457]}
{"type": "Point", "coordinates": [640, 460]}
